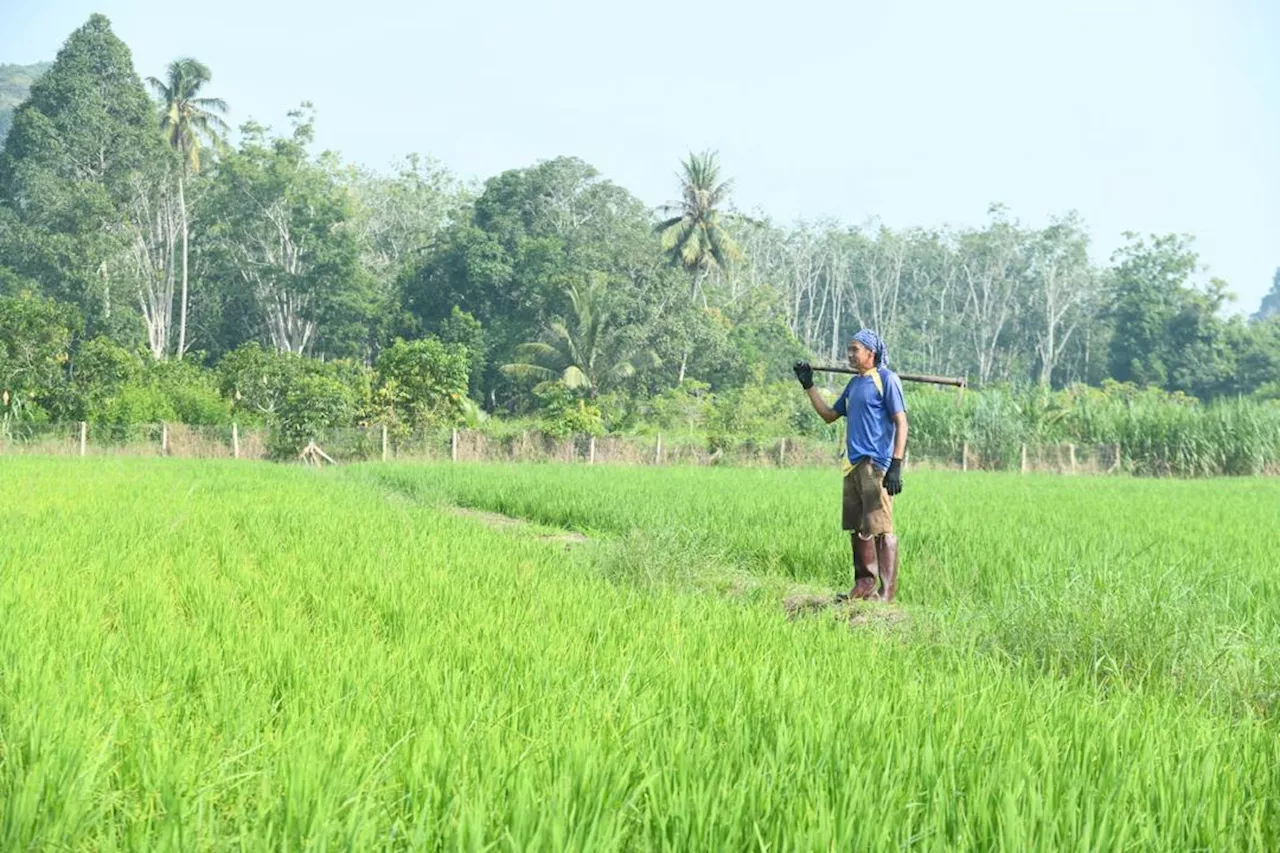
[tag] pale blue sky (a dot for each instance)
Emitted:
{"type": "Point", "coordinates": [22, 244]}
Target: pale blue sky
{"type": "Point", "coordinates": [1145, 115]}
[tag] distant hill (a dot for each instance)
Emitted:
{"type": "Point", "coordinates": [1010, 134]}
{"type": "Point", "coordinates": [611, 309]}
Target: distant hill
{"type": "Point", "coordinates": [15, 82]}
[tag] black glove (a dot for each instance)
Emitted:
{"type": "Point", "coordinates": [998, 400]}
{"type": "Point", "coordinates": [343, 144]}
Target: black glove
{"type": "Point", "coordinates": [804, 373]}
{"type": "Point", "coordinates": [893, 477]}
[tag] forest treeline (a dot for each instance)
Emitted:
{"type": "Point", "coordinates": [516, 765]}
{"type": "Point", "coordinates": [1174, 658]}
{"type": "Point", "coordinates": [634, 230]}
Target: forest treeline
{"type": "Point", "coordinates": [153, 269]}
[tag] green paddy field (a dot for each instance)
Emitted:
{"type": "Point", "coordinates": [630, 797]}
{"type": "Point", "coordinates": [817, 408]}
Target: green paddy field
{"type": "Point", "coordinates": [200, 655]}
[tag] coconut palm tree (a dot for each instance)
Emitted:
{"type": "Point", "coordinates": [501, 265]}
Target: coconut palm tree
{"type": "Point", "coordinates": [187, 120]}
{"type": "Point", "coordinates": [591, 354]}
{"type": "Point", "coordinates": [692, 235]}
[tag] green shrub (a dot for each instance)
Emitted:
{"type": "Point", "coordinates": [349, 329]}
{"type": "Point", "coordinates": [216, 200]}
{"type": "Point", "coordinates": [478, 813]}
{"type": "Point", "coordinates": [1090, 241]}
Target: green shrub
{"type": "Point", "coordinates": [566, 413]}
{"type": "Point", "coordinates": [192, 392]}
{"type": "Point", "coordinates": [132, 414]}
{"type": "Point", "coordinates": [311, 405]}
{"type": "Point", "coordinates": [422, 383]}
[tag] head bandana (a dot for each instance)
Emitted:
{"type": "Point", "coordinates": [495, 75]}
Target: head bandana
{"type": "Point", "coordinates": [871, 341]}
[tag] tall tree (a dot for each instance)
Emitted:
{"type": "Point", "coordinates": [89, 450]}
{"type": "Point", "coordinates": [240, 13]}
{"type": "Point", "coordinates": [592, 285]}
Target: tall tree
{"type": "Point", "coordinates": [1200, 355]}
{"type": "Point", "coordinates": [693, 235]}
{"type": "Point", "coordinates": [992, 268]}
{"type": "Point", "coordinates": [1148, 292]}
{"type": "Point", "coordinates": [65, 174]}
{"type": "Point", "coordinates": [1061, 281]}
{"type": "Point", "coordinates": [187, 121]}
{"type": "Point", "coordinates": [590, 352]}
{"type": "Point", "coordinates": [881, 270]}
{"type": "Point", "coordinates": [280, 250]}
{"type": "Point", "coordinates": [152, 219]}
{"type": "Point", "coordinates": [1258, 360]}
{"type": "Point", "coordinates": [1270, 306]}
{"type": "Point", "coordinates": [396, 220]}
{"type": "Point", "coordinates": [933, 332]}
{"type": "Point", "coordinates": [532, 234]}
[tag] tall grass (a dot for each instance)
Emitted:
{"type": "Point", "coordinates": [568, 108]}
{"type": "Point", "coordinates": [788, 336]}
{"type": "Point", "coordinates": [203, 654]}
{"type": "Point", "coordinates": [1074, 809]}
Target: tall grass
{"type": "Point", "coordinates": [222, 656]}
{"type": "Point", "coordinates": [1156, 433]}
{"type": "Point", "coordinates": [1143, 432]}
{"type": "Point", "coordinates": [1099, 578]}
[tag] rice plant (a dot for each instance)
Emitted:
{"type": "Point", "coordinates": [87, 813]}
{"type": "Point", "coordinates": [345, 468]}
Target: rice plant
{"type": "Point", "coordinates": [219, 655]}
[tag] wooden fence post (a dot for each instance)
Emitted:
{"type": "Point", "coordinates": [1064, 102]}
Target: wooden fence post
{"type": "Point", "coordinates": [384, 442]}
{"type": "Point", "coordinates": [657, 453]}
{"type": "Point", "coordinates": [591, 451]}
{"type": "Point", "coordinates": [1024, 459]}
{"type": "Point", "coordinates": [1071, 457]}
{"type": "Point", "coordinates": [164, 438]}
{"type": "Point", "coordinates": [964, 456]}
{"type": "Point", "coordinates": [453, 446]}
{"type": "Point", "coordinates": [84, 438]}
{"type": "Point", "coordinates": [782, 452]}
{"type": "Point", "coordinates": [235, 441]}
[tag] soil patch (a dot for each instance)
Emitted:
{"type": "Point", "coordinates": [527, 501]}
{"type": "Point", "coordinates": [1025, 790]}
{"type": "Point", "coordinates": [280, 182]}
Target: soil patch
{"type": "Point", "coordinates": [806, 602]}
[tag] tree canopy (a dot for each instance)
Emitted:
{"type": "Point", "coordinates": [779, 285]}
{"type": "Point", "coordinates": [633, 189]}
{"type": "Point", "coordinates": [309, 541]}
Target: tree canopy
{"type": "Point", "coordinates": [134, 232]}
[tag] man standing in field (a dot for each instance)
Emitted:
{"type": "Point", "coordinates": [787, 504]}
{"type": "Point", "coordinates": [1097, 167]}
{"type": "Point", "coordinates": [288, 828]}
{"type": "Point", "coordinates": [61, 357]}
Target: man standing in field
{"type": "Point", "coordinates": [875, 443]}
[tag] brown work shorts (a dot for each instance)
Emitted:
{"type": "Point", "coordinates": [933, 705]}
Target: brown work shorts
{"type": "Point", "coordinates": [868, 509]}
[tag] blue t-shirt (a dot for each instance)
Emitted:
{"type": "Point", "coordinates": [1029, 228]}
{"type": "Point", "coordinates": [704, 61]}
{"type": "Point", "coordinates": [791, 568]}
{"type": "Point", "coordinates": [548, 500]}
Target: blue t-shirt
{"type": "Point", "coordinates": [869, 416]}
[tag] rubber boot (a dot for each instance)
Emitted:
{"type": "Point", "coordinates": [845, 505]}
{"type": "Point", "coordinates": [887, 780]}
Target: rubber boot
{"type": "Point", "coordinates": [887, 556]}
{"type": "Point", "coordinates": [866, 568]}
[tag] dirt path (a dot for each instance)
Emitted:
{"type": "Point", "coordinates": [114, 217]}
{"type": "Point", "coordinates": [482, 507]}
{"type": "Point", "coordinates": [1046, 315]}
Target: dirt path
{"type": "Point", "coordinates": [498, 521]}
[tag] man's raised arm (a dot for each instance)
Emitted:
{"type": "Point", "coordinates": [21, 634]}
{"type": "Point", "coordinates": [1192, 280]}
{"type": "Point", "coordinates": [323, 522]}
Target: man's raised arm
{"type": "Point", "coordinates": [805, 374]}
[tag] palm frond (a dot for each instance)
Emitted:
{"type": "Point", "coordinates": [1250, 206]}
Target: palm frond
{"type": "Point", "coordinates": [693, 252]}
{"type": "Point", "coordinates": [622, 370]}
{"type": "Point", "coordinates": [723, 248]}
{"type": "Point", "coordinates": [526, 371]}
{"type": "Point", "coordinates": [674, 237]}
{"type": "Point", "coordinates": [560, 331]}
{"type": "Point", "coordinates": [162, 92]}
{"type": "Point", "coordinates": [649, 358]}
{"type": "Point", "coordinates": [576, 352]}
{"type": "Point", "coordinates": [214, 104]}
{"type": "Point", "coordinates": [537, 351]}
{"type": "Point", "coordinates": [208, 123]}
{"type": "Point", "coordinates": [574, 379]}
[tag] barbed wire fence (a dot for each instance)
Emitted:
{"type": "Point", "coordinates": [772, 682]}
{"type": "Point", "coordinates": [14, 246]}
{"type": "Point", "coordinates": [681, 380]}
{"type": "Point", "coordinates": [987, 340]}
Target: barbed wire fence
{"type": "Point", "coordinates": [378, 443]}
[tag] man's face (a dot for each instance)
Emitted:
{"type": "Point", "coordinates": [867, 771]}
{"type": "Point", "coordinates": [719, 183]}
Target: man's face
{"type": "Point", "coordinates": [861, 358]}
